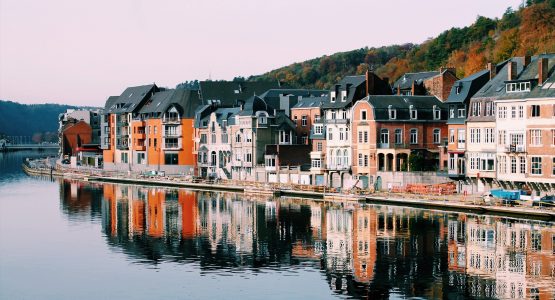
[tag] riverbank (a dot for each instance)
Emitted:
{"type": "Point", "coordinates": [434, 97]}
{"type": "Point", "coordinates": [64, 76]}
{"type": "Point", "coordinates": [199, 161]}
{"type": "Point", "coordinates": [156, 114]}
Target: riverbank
{"type": "Point", "coordinates": [456, 203]}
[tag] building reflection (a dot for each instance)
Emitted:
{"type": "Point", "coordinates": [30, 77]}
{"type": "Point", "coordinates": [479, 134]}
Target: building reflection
{"type": "Point", "coordinates": [363, 251]}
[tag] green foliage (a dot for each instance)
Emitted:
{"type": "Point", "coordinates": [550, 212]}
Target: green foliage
{"type": "Point", "coordinates": [477, 42]}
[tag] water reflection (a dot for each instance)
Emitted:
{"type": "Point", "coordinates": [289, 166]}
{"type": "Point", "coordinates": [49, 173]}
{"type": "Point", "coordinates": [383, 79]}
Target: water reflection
{"type": "Point", "coordinates": [360, 250]}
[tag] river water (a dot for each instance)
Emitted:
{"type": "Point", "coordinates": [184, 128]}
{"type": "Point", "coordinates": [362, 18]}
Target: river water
{"type": "Point", "coordinates": [62, 239]}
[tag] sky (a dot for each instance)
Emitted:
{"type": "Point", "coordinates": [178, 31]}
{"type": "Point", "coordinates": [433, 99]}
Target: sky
{"type": "Point", "coordinates": [80, 52]}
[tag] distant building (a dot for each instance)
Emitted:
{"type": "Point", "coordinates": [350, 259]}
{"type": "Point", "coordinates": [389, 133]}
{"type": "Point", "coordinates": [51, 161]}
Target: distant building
{"type": "Point", "coordinates": [435, 83]}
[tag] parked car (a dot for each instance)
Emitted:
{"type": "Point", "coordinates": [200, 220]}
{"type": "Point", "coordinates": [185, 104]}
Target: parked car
{"type": "Point", "coordinates": [545, 201]}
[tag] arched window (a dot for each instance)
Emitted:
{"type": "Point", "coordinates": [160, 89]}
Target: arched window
{"type": "Point", "coordinates": [414, 136]}
{"type": "Point", "coordinates": [384, 136]}
{"type": "Point", "coordinates": [345, 157]}
{"type": "Point", "coordinates": [213, 158]}
{"type": "Point", "coordinates": [338, 157]}
{"type": "Point", "coordinates": [238, 138]}
{"type": "Point", "coordinates": [437, 135]}
{"type": "Point", "coordinates": [413, 112]}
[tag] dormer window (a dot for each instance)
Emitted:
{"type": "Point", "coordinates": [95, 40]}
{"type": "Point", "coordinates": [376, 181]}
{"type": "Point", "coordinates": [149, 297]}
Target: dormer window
{"type": "Point", "coordinates": [262, 120]}
{"type": "Point", "coordinates": [515, 87]}
{"type": "Point", "coordinates": [392, 112]}
{"type": "Point", "coordinates": [332, 96]}
{"type": "Point", "coordinates": [458, 89]}
{"type": "Point", "coordinates": [413, 113]}
{"type": "Point", "coordinates": [363, 114]}
{"type": "Point", "coordinates": [318, 129]}
{"type": "Point", "coordinates": [437, 113]}
{"type": "Point", "coordinates": [343, 96]}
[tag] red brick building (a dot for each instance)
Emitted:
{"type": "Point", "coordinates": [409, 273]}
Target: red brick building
{"type": "Point", "coordinates": [304, 114]}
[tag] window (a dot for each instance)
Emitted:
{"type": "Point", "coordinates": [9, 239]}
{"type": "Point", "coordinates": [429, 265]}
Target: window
{"type": "Point", "coordinates": [262, 120]}
{"type": "Point", "coordinates": [366, 137]}
{"type": "Point", "coordinates": [502, 112]}
{"type": "Point", "coordinates": [316, 163]}
{"type": "Point", "coordinates": [344, 114]}
{"type": "Point", "coordinates": [248, 137]}
{"type": "Point", "coordinates": [502, 137]}
{"type": "Point", "coordinates": [238, 138]}
{"type": "Point", "coordinates": [503, 165]}
{"type": "Point", "coordinates": [535, 111]}
{"type": "Point", "coordinates": [170, 158]}
{"type": "Point", "coordinates": [437, 136]}
{"type": "Point", "coordinates": [461, 112]}
{"type": "Point", "coordinates": [513, 165]}
{"type": "Point", "coordinates": [413, 112]}
{"type": "Point", "coordinates": [284, 137]}
{"type": "Point", "coordinates": [536, 165]}
{"type": "Point", "coordinates": [553, 166]}
{"type": "Point", "coordinates": [475, 109]}
{"type": "Point", "coordinates": [343, 96]}
{"type": "Point", "coordinates": [124, 157]}
{"type": "Point", "coordinates": [461, 138]}
{"type": "Point", "coordinates": [475, 135]}
{"type": "Point", "coordinates": [155, 143]}
{"type": "Point", "coordinates": [341, 136]}
{"type": "Point", "coordinates": [437, 113]}
{"type": "Point", "coordinates": [330, 134]}
{"type": "Point", "coordinates": [487, 162]}
{"type": "Point", "coordinates": [304, 120]}
{"type": "Point", "coordinates": [332, 95]}
{"type": "Point", "coordinates": [535, 137]}
{"type": "Point", "coordinates": [451, 111]}
{"type": "Point", "coordinates": [513, 112]}
{"type": "Point", "coordinates": [304, 139]}
{"type": "Point", "coordinates": [360, 160]}
{"type": "Point", "coordinates": [489, 109]}
{"type": "Point", "coordinates": [270, 161]}
{"type": "Point", "coordinates": [333, 115]}
{"type": "Point", "coordinates": [366, 160]}
{"type": "Point", "coordinates": [515, 87]}
{"type": "Point", "coordinates": [384, 136]}
{"type": "Point", "coordinates": [360, 136]}
{"type": "Point", "coordinates": [392, 112]}
{"type": "Point", "coordinates": [155, 129]}
{"type": "Point", "coordinates": [248, 157]}
{"type": "Point", "coordinates": [489, 135]}
{"type": "Point", "coordinates": [521, 112]}
{"type": "Point", "coordinates": [414, 136]}
{"type": "Point", "coordinates": [319, 146]}
{"type": "Point", "coordinates": [451, 136]}
{"type": "Point", "coordinates": [363, 114]}
{"type": "Point", "coordinates": [318, 129]}
{"type": "Point", "coordinates": [398, 136]}
{"type": "Point", "coordinates": [316, 118]}
{"type": "Point", "coordinates": [523, 165]}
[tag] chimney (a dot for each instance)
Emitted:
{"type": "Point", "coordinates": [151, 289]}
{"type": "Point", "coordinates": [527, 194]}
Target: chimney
{"type": "Point", "coordinates": [492, 70]}
{"type": "Point", "coordinates": [398, 90]}
{"type": "Point", "coordinates": [413, 88]}
{"type": "Point", "coordinates": [369, 83]}
{"type": "Point", "coordinates": [512, 71]}
{"type": "Point", "coordinates": [526, 60]}
{"type": "Point", "coordinates": [543, 69]}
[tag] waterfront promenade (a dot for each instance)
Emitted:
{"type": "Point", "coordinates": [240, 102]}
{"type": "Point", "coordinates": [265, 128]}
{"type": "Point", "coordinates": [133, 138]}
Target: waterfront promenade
{"type": "Point", "coordinates": [454, 202]}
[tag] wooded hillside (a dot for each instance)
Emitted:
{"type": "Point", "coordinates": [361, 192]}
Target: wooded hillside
{"type": "Point", "coordinates": [527, 31]}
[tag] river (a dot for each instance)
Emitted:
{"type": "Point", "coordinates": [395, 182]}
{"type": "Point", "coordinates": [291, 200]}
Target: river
{"type": "Point", "coordinates": [63, 239]}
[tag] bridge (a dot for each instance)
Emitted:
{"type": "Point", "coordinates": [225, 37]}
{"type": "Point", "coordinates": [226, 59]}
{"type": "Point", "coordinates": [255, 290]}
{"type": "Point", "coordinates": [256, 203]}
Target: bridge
{"type": "Point", "coordinates": [21, 143]}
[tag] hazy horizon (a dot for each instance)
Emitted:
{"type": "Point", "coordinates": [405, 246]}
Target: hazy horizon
{"type": "Point", "coordinates": [67, 52]}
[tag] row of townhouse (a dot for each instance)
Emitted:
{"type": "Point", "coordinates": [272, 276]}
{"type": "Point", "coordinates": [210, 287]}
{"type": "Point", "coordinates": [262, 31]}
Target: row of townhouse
{"type": "Point", "coordinates": [502, 125]}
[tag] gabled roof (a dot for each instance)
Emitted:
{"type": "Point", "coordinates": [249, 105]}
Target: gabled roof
{"type": "Point", "coordinates": [465, 88]}
{"type": "Point", "coordinates": [405, 81]}
{"type": "Point", "coordinates": [186, 102]}
{"type": "Point", "coordinates": [274, 96]}
{"type": "Point", "coordinates": [132, 99]}
{"type": "Point", "coordinates": [530, 74]}
{"type": "Point", "coordinates": [227, 93]}
{"type": "Point", "coordinates": [402, 104]}
{"type": "Point", "coordinates": [254, 104]}
{"type": "Point", "coordinates": [109, 102]}
{"type": "Point", "coordinates": [354, 86]}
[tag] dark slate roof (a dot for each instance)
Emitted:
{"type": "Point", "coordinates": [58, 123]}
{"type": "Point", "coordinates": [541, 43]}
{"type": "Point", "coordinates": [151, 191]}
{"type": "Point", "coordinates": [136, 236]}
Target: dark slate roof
{"type": "Point", "coordinates": [311, 102]}
{"type": "Point", "coordinates": [405, 81]}
{"type": "Point", "coordinates": [186, 102]}
{"type": "Point", "coordinates": [228, 92]}
{"type": "Point", "coordinates": [290, 155]}
{"type": "Point", "coordinates": [423, 104]}
{"type": "Point", "coordinates": [467, 87]}
{"type": "Point", "coordinates": [222, 114]}
{"type": "Point", "coordinates": [109, 102]}
{"type": "Point", "coordinates": [351, 84]}
{"type": "Point", "coordinates": [283, 121]}
{"type": "Point", "coordinates": [530, 73]}
{"type": "Point", "coordinates": [254, 104]}
{"type": "Point", "coordinates": [132, 98]}
{"type": "Point", "coordinates": [273, 96]}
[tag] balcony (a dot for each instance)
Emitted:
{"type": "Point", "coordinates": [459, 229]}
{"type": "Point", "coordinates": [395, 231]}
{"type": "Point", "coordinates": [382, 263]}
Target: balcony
{"type": "Point", "coordinates": [171, 146]}
{"type": "Point", "coordinates": [122, 147]}
{"type": "Point", "coordinates": [337, 121]}
{"type": "Point", "coordinates": [333, 167]}
{"type": "Point", "coordinates": [174, 134]}
{"type": "Point", "coordinates": [393, 146]}
{"type": "Point", "coordinates": [513, 148]}
{"type": "Point", "coordinates": [171, 120]}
